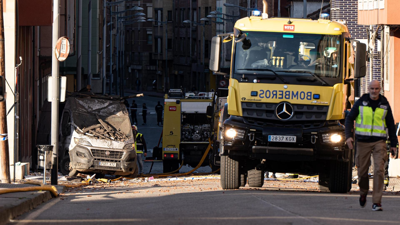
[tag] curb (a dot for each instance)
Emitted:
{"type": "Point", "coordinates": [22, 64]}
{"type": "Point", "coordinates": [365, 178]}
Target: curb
{"type": "Point", "coordinates": [31, 201]}
{"type": "Point", "coordinates": [6, 214]}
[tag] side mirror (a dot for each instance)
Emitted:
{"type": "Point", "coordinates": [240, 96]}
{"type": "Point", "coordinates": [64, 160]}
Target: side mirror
{"type": "Point", "coordinates": [2, 88]}
{"type": "Point", "coordinates": [215, 54]}
{"type": "Point", "coordinates": [360, 67]}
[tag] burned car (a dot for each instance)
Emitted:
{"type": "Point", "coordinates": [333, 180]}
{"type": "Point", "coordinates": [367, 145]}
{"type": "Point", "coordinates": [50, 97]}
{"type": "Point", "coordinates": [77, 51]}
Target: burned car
{"type": "Point", "coordinates": [96, 137]}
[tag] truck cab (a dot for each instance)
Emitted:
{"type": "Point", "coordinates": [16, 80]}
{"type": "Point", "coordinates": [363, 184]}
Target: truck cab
{"type": "Point", "coordinates": [290, 83]}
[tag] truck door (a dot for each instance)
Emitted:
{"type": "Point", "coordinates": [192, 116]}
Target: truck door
{"type": "Point", "coordinates": [171, 129]}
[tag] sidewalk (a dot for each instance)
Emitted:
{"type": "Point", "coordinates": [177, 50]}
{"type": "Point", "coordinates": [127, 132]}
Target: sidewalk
{"type": "Point", "coordinates": [17, 203]}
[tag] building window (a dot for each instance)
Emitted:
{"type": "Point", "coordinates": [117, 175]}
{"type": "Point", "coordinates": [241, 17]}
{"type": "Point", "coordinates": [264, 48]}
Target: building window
{"type": "Point", "coordinates": [149, 12]}
{"type": "Point", "coordinates": [149, 39]}
{"type": "Point", "coordinates": [194, 16]}
{"type": "Point", "coordinates": [206, 50]}
{"type": "Point", "coordinates": [169, 44]}
{"type": "Point", "coordinates": [169, 15]}
{"type": "Point", "coordinates": [158, 15]}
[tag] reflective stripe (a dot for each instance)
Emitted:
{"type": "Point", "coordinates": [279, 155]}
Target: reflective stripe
{"type": "Point", "coordinates": [139, 145]}
{"type": "Point", "coordinates": [371, 123]}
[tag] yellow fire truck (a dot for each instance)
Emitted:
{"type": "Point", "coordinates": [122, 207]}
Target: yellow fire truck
{"type": "Point", "coordinates": [290, 83]}
{"type": "Point", "coordinates": [187, 128]}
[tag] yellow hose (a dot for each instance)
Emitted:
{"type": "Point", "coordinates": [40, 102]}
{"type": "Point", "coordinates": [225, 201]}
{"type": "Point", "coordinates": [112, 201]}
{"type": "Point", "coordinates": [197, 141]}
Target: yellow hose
{"type": "Point", "coordinates": [187, 173]}
{"type": "Point", "coordinates": [52, 189]}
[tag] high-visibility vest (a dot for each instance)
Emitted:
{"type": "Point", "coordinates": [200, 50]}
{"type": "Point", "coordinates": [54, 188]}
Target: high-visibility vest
{"type": "Point", "coordinates": [370, 123]}
{"type": "Point", "coordinates": [139, 143]}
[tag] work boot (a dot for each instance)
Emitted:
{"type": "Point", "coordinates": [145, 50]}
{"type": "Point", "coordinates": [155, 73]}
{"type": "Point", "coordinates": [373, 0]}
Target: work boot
{"type": "Point", "coordinates": [363, 200]}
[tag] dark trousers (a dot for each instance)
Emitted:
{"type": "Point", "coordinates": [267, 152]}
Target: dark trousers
{"type": "Point", "coordinates": [134, 118]}
{"type": "Point", "coordinates": [159, 118]}
{"type": "Point", "coordinates": [144, 118]}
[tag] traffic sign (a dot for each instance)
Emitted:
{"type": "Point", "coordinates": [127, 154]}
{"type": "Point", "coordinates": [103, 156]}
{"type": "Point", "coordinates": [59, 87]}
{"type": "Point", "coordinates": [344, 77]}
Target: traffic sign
{"type": "Point", "coordinates": [62, 49]}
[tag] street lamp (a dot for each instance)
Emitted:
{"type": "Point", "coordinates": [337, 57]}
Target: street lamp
{"type": "Point", "coordinates": [166, 77]}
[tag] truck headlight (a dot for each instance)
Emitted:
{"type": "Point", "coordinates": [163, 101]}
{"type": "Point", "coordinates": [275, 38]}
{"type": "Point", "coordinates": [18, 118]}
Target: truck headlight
{"type": "Point", "coordinates": [331, 138]}
{"type": "Point", "coordinates": [336, 138]}
{"type": "Point", "coordinates": [81, 141]}
{"type": "Point", "coordinates": [235, 133]}
{"type": "Point", "coordinates": [231, 133]}
{"type": "Point", "coordinates": [128, 146]}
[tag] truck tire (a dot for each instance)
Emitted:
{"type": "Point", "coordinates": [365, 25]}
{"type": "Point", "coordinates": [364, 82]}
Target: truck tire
{"type": "Point", "coordinates": [169, 166]}
{"type": "Point", "coordinates": [64, 165]}
{"type": "Point", "coordinates": [256, 178]}
{"type": "Point", "coordinates": [340, 177]}
{"type": "Point", "coordinates": [229, 173]}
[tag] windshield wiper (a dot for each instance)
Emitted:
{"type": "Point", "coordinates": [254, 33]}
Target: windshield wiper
{"type": "Point", "coordinates": [306, 71]}
{"type": "Point", "coordinates": [273, 71]}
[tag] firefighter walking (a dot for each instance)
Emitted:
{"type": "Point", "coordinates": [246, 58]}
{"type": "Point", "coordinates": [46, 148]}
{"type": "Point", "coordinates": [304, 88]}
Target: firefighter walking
{"type": "Point", "coordinates": [141, 147]}
{"type": "Point", "coordinates": [373, 124]}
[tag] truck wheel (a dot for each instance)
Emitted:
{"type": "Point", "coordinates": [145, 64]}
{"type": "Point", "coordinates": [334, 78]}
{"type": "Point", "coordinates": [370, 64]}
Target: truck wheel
{"type": "Point", "coordinates": [340, 177]}
{"type": "Point", "coordinates": [229, 173]}
{"type": "Point", "coordinates": [256, 178]}
{"type": "Point", "coordinates": [169, 166]}
{"type": "Point", "coordinates": [64, 165]}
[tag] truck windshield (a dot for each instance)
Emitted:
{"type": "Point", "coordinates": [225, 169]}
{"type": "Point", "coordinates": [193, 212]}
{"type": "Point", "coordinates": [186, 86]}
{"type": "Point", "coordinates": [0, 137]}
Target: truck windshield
{"type": "Point", "coordinates": [290, 55]}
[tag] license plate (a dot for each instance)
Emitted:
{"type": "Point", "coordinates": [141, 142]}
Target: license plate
{"type": "Point", "coordinates": [170, 149]}
{"type": "Point", "coordinates": [281, 138]}
{"type": "Point", "coordinates": [110, 164]}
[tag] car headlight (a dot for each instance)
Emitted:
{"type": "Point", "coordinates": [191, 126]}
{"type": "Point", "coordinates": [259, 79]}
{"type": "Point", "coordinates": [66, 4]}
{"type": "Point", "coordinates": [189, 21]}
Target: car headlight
{"type": "Point", "coordinates": [81, 141]}
{"type": "Point", "coordinates": [235, 133]}
{"type": "Point", "coordinates": [331, 138]}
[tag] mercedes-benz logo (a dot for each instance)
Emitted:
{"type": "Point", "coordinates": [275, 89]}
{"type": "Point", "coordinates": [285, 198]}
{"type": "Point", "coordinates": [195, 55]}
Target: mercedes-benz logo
{"type": "Point", "coordinates": [284, 111]}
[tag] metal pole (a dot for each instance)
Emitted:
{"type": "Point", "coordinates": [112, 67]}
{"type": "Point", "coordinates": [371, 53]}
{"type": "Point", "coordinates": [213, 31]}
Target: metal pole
{"type": "Point", "coordinates": [371, 58]}
{"type": "Point", "coordinates": [4, 152]}
{"type": "Point", "coordinates": [79, 63]}
{"type": "Point", "coordinates": [55, 98]}
{"type": "Point", "coordinates": [204, 52]}
{"type": "Point", "coordinates": [123, 60]}
{"type": "Point", "coordinates": [248, 6]}
{"type": "Point", "coordinates": [279, 8]}
{"type": "Point", "coordinates": [111, 51]}
{"type": "Point", "coordinates": [190, 47]}
{"type": "Point", "coordinates": [166, 56]}
{"type": "Point", "coordinates": [117, 56]}
{"type": "Point", "coordinates": [104, 45]}
{"type": "Point", "coordinates": [89, 81]}
{"type": "Point", "coordinates": [304, 8]}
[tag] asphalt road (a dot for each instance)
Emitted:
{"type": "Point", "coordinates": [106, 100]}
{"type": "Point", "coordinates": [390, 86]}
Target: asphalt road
{"type": "Point", "coordinates": [202, 201]}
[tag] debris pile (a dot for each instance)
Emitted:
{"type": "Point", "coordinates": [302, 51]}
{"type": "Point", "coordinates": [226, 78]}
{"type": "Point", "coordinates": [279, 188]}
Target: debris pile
{"type": "Point", "coordinates": [103, 131]}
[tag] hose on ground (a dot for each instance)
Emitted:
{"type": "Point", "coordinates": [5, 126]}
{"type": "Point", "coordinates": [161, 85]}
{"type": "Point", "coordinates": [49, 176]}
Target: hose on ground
{"type": "Point", "coordinates": [51, 189]}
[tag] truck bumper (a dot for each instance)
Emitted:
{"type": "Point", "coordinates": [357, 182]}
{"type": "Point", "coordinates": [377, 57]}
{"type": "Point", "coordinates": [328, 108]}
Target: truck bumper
{"type": "Point", "coordinates": [311, 144]}
{"type": "Point", "coordinates": [83, 160]}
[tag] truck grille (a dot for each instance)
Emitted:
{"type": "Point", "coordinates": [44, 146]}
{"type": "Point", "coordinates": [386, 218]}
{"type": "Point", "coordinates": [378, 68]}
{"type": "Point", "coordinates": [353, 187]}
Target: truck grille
{"type": "Point", "coordinates": [266, 111]}
{"type": "Point", "coordinates": [108, 154]}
